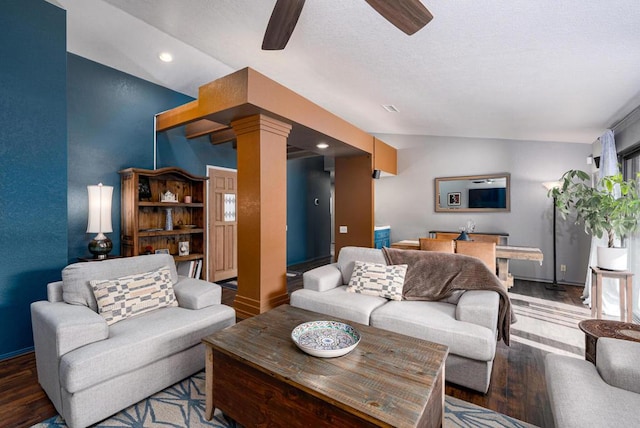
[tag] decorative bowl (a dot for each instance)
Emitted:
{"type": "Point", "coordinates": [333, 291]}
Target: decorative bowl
{"type": "Point", "coordinates": [326, 339]}
{"type": "Point", "coordinates": [186, 226]}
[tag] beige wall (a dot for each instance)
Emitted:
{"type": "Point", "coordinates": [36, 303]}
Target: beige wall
{"type": "Point", "coordinates": [406, 201]}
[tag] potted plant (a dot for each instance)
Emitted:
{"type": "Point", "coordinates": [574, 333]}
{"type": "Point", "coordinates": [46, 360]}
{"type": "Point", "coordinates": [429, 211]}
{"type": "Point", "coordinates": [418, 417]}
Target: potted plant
{"type": "Point", "coordinates": [612, 206]}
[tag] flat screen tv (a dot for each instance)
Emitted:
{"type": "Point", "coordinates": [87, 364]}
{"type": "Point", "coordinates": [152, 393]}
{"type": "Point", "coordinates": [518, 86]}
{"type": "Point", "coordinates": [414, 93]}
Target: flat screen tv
{"type": "Point", "coordinates": [488, 198]}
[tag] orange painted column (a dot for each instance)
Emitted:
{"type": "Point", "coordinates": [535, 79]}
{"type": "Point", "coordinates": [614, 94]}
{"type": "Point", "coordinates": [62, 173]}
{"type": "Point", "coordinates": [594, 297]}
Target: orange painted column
{"type": "Point", "coordinates": [262, 214]}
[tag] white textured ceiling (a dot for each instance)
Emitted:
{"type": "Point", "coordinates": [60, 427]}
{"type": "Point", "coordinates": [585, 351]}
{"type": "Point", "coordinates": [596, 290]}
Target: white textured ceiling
{"type": "Point", "coordinates": [547, 70]}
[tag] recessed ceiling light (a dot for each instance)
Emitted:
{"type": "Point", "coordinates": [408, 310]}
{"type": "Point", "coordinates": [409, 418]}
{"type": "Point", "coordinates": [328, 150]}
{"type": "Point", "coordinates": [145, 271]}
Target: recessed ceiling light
{"type": "Point", "coordinates": [322, 146]}
{"type": "Point", "coordinates": [165, 57]}
{"type": "Point", "coordinates": [390, 108]}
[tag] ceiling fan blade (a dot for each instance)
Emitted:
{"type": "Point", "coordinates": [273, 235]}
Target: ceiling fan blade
{"type": "Point", "coordinates": [281, 24]}
{"type": "Point", "coordinates": [408, 15]}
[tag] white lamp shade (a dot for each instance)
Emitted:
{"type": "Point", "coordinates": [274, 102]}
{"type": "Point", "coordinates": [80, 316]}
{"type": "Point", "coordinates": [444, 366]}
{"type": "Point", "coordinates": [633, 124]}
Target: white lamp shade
{"type": "Point", "coordinates": [99, 209]}
{"type": "Point", "coordinates": [551, 184]}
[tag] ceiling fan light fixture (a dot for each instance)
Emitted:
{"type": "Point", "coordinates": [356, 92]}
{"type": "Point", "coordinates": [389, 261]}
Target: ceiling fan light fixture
{"type": "Point", "coordinates": [390, 108]}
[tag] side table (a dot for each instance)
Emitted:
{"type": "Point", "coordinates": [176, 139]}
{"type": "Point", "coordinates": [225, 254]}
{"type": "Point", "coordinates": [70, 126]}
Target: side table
{"type": "Point", "coordinates": [595, 329]}
{"type": "Point", "coordinates": [625, 279]}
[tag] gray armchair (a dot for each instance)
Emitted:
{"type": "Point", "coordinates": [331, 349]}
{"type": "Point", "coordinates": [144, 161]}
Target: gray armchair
{"type": "Point", "coordinates": [91, 370]}
{"type": "Point", "coordinates": [606, 394]}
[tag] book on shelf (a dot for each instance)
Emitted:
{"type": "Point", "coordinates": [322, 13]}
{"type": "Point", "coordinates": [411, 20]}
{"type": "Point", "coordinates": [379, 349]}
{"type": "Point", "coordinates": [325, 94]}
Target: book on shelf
{"type": "Point", "coordinates": [198, 268]}
{"type": "Point", "coordinates": [191, 268]}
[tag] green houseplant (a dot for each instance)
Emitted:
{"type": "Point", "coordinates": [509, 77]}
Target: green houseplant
{"type": "Point", "coordinates": [598, 208]}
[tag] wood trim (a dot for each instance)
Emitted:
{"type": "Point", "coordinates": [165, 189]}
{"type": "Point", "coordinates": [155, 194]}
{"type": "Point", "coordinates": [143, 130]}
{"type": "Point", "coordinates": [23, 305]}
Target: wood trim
{"type": "Point", "coordinates": [276, 98]}
{"type": "Point", "coordinates": [246, 93]}
{"type": "Point", "coordinates": [177, 116]}
{"type": "Point", "coordinates": [222, 136]}
{"type": "Point", "coordinates": [385, 157]}
{"type": "Point", "coordinates": [202, 127]}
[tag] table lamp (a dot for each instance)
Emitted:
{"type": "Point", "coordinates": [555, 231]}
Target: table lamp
{"type": "Point", "coordinates": [100, 220]}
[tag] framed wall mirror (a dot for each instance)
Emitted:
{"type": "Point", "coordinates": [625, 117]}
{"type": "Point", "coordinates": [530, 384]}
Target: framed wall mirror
{"type": "Point", "coordinates": [473, 193]}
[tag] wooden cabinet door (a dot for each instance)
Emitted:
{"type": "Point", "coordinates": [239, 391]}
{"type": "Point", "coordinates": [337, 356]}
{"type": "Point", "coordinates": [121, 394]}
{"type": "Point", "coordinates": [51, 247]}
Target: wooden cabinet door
{"type": "Point", "coordinates": [223, 224]}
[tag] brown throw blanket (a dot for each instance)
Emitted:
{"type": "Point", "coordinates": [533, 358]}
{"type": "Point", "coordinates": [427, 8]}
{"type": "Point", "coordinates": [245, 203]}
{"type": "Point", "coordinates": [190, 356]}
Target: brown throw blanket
{"type": "Point", "coordinates": [434, 276]}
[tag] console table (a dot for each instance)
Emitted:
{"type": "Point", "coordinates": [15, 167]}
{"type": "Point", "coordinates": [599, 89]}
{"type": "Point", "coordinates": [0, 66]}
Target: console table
{"type": "Point", "coordinates": [504, 253]}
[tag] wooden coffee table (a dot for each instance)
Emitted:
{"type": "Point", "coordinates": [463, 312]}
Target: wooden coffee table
{"type": "Point", "coordinates": [595, 329]}
{"type": "Point", "coordinates": [256, 375]}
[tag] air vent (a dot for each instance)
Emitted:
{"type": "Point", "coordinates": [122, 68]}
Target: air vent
{"type": "Point", "coordinates": [390, 108]}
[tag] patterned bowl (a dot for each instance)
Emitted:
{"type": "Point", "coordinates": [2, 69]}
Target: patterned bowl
{"type": "Point", "coordinates": [325, 339]}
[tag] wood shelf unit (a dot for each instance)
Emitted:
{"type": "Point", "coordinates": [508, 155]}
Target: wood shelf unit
{"type": "Point", "coordinates": [143, 221]}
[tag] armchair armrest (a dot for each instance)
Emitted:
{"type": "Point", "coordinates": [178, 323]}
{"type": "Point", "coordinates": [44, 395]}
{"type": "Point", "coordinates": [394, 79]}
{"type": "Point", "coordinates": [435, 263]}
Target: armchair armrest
{"type": "Point", "coordinates": [60, 327]}
{"type": "Point", "coordinates": [197, 294]}
{"type": "Point", "coordinates": [618, 363]}
{"type": "Point", "coordinates": [479, 307]}
{"type": "Point", "coordinates": [54, 291]}
{"type": "Point", "coordinates": [322, 278]}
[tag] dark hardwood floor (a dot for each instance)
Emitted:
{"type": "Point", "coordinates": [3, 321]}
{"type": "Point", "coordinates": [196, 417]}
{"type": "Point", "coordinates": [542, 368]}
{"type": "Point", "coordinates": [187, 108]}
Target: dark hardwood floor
{"type": "Point", "coordinates": [518, 387]}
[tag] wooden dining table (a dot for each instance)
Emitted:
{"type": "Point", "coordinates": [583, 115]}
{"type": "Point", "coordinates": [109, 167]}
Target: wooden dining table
{"type": "Point", "coordinates": [504, 253]}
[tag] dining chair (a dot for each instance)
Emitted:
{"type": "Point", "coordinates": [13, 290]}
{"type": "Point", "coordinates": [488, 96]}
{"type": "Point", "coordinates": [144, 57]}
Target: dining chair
{"type": "Point", "coordinates": [485, 251]}
{"type": "Point", "coordinates": [440, 245]}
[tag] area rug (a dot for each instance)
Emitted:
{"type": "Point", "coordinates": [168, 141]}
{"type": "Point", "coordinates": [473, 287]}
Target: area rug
{"type": "Point", "coordinates": [550, 326]}
{"type": "Point", "coordinates": [183, 405]}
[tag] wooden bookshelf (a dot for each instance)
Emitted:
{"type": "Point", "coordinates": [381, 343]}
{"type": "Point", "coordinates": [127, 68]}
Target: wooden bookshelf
{"type": "Point", "coordinates": [144, 214]}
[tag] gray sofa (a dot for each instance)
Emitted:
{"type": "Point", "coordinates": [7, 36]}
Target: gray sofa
{"type": "Point", "coordinates": [465, 322]}
{"type": "Point", "coordinates": [606, 394]}
{"type": "Point", "coordinates": [91, 370]}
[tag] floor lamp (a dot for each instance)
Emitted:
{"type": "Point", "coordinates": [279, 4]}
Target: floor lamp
{"type": "Point", "coordinates": [550, 185]}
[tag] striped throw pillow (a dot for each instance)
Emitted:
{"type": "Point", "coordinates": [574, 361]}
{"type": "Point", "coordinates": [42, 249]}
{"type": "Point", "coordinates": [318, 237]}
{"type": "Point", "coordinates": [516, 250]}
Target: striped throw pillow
{"type": "Point", "coordinates": [133, 295]}
{"type": "Point", "coordinates": [377, 279]}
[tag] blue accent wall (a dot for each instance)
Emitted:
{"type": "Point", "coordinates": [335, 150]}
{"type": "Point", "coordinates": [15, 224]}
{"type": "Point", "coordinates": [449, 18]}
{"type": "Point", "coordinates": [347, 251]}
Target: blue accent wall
{"type": "Point", "coordinates": [308, 224]}
{"type": "Point", "coordinates": [111, 116]}
{"type": "Point", "coordinates": [67, 122]}
{"type": "Point", "coordinates": [110, 121]}
{"type": "Point", "coordinates": [33, 162]}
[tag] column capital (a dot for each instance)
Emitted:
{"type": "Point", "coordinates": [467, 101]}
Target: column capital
{"type": "Point", "coordinates": [260, 122]}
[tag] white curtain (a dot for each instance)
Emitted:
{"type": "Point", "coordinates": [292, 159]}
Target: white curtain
{"type": "Point", "coordinates": [632, 167]}
{"type": "Point", "coordinates": [610, 296]}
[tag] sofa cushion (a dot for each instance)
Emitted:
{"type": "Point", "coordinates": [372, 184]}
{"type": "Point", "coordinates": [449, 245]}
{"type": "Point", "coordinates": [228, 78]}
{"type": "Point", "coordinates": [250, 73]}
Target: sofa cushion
{"type": "Point", "coordinates": [338, 302]}
{"type": "Point", "coordinates": [139, 341]}
{"type": "Point", "coordinates": [580, 398]}
{"type": "Point", "coordinates": [618, 363]}
{"type": "Point", "coordinates": [436, 322]}
{"type": "Point", "coordinates": [133, 295]}
{"type": "Point", "coordinates": [377, 279]}
{"type": "Point", "coordinates": [76, 289]}
{"type": "Point", "coordinates": [348, 256]}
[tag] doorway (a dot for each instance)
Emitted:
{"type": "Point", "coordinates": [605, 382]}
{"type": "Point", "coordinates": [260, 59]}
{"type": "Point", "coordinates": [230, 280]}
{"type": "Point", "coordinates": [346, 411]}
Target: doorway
{"type": "Point", "coordinates": [222, 223]}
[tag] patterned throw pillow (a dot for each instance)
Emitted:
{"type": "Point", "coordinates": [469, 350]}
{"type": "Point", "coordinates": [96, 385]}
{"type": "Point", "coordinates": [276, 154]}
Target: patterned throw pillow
{"type": "Point", "coordinates": [133, 295]}
{"type": "Point", "coordinates": [378, 279]}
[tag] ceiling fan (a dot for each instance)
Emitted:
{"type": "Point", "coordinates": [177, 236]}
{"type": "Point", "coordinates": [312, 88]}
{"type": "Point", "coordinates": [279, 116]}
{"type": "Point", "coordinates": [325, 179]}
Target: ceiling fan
{"type": "Point", "coordinates": [408, 15]}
